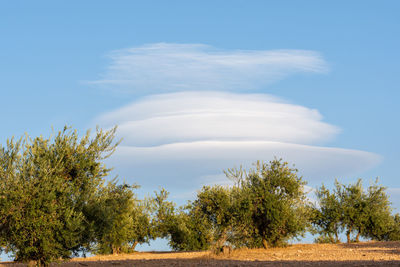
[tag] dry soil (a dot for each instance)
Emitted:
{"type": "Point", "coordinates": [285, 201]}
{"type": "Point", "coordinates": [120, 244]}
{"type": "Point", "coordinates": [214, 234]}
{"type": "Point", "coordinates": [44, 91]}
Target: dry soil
{"type": "Point", "coordinates": [358, 254]}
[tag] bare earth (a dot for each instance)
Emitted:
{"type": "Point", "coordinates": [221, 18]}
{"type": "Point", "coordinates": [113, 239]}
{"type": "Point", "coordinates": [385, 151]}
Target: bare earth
{"type": "Point", "coordinates": [359, 254]}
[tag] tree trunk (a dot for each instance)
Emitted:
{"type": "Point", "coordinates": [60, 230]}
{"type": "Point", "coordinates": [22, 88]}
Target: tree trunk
{"type": "Point", "coordinates": [134, 245]}
{"type": "Point", "coordinates": [358, 237]}
{"type": "Point", "coordinates": [115, 250]}
{"type": "Point", "coordinates": [221, 241]}
{"type": "Point", "coordinates": [218, 246]}
{"type": "Point", "coordinates": [265, 243]}
{"type": "Point", "coordinates": [331, 238]}
{"type": "Point", "coordinates": [348, 235]}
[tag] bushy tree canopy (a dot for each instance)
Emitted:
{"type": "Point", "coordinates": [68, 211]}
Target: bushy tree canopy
{"type": "Point", "coordinates": [45, 186]}
{"type": "Point", "coordinates": [265, 207]}
{"type": "Point", "coordinates": [351, 208]}
{"type": "Point", "coordinates": [120, 219]}
{"type": "Point", "coordinates": [326, 215]}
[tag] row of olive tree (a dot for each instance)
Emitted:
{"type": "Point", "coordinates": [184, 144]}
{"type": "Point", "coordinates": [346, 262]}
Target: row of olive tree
{"type": "Point", "coordinates": [55, 203]}
{"type": "Point", "coordinates": [355, 211]}
{"type": "Point", "coordinates": [267, 206]}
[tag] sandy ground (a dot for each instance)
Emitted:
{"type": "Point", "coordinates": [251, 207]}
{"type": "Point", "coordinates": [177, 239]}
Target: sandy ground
{"type": "Point", "coordinates": [359, 254]}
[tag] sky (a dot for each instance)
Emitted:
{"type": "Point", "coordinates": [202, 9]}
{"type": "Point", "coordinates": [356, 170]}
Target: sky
{"type": "Point", "coordinates": [197, 87]}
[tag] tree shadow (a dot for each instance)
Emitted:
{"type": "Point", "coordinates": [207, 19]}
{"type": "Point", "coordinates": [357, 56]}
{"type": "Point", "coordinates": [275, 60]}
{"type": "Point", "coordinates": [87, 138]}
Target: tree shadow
{"type": "Point", "coordinates": [211, 262]}
{"type": "Point", "coordinates": [389, 247]}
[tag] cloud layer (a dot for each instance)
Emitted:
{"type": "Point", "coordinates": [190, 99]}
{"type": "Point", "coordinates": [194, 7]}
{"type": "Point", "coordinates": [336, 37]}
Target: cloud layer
{"type": "Point", "coordinates": [186, 139]}
{"type": "Point", "coordinates": [166, 67]}
{"type": "Point", "coordinates": [189, 128]}
{"type": "Point", "coordinates": [186, 164]}
{"type": "Point", "coordinates": [195, 116]}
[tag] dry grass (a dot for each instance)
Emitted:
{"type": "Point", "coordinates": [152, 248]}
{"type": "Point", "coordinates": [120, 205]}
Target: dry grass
{"type": "Point", "coordinates": [359, 254]}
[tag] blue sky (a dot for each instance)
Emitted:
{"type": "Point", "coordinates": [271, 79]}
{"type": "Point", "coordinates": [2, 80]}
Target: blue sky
{"type": "Point", "coordinates": [330, 70]}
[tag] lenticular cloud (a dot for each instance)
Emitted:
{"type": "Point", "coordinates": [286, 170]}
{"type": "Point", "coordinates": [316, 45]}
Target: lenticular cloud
{"type": "Point", "coordinates": [166, 67]}
{"type": "Point", "coordinates": [195, 116]}
{"type": "Point", "coordinates": [180, 138]}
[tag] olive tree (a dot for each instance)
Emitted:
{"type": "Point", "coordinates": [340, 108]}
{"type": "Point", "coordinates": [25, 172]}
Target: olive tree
{"type": "Point", "coordinates": [121, 220]}
{"type": "Point", "coordinates": [326, 215]}
{"type": "Point", "coordinates": [45, 187]}
{"type": "Point", "coordinates": [359, 212]}
{"type": "Point", "coordinates": [215, 206]}
{"type": "Point", "coordinates": [273, 206]}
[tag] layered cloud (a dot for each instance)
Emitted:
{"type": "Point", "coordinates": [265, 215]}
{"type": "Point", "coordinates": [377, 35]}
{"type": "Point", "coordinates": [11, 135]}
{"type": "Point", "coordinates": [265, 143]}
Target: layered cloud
{"type": "Point", "coordinates": [189, 128]}
{"type": "Point", "coordinates": [217, 116]}
{"type": "Point", "coordinates": [186, 139]}
{"type": "Point", "coordinates": [167, 67]}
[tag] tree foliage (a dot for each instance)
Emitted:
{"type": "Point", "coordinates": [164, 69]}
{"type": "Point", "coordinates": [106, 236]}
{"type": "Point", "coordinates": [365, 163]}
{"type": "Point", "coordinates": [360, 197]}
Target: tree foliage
{"type": "Point", "coordinates": [45, 186]}
{"type": "Point", "coordinates": [121, 221]}
{"type": "Point", "coordinates": [354, 210]}
{"type": "Point", "coordinates": [278, 210]}
{"type": "Point", "coordinates": [326, 216]}
{"type": "Point", "coordinates": [55, 202]}
{"type": "Point", "coordinates": [265, 207]}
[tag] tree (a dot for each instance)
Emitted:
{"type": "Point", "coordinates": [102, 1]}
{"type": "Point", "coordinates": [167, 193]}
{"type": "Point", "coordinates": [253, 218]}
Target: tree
{"type": "Point", "coordinates": [351, 208]}
{"type": "Point", "coordinates": [354, 208]}
{"type": "Point", "coordinates": [215, 205]}
{"type": "Point", "coordinates": [380, 225]}
{"type": "Point", "coordinates": [394, 232]}
{"type": "Point", "coordinates": [163, 214]}
{"type": "Point", "coordinates": [272, 203]}
{"type": "Point", "coordinates": [45, 187]}
{"type": "Point", "coordinates": [326, 215]}
{"type": "Point", "coordinates": [121, 221]}
{"type": "Point", "coordinates": [184, 229]}
{"type": "Point", "coordinates": [190, 231]}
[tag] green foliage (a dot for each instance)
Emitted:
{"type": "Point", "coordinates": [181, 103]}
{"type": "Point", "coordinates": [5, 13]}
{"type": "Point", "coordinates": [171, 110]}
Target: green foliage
{"type": "Point", "coordinates": [190, 231]}
{"type": "Point", "coordinates": [215, 207]}
{"type": "Point", "coordinates": [380, 224]}
{"type": "Point", "coordinates": [278, 209]}
{"type": "Point", "coordinates": [394, 232]}
{"type": "Point", "coordinates": [326, 216]}
{"type": "Point", "coordinates": [183, 227]}
{"type": "Point", "coordinates": [121, 221]}
{"type": "Point", "coordinates": [351, 208]}
{"type": "Point", "coordinates": [54, 203]}
{"type": "Point", "coordinates": [354, 208]}
{"type": "Point", "coordinates": [270, 205]}
{"type": "Point", "coordinates": [163, 214]}
{"type": "Point", "coordinates": [45, 186]}
{"type": "Point", "coordinates": [265, 207]}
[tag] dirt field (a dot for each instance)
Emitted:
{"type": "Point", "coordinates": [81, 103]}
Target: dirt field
{"type": "Point", "coordinates": [360, 254]}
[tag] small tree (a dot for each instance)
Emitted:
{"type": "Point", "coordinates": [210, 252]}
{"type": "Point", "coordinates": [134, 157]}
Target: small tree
{"type": "Point", "coordinates": [394, 232]}
{"type": "Point", "coordinates": [121, 221]}
{"type": "Point", "coordinates": [163, 214]}
{"type": "Point", "coordinates": [272, 202]}
{"type": "Point", "coordinates": [191, 231]}
{"type": "Point", "coordinates": [354, 207]}
{"type": "Point", "coordinates": [380, 224]}
{"type": "Point", "coordinates": [351, 208]}
{"type": "Point", "coordinates": [215, 205]}
{"type": "Point", "coordinates": [45, 186]}
{"type": "Point", "coordinates": [326, 215]}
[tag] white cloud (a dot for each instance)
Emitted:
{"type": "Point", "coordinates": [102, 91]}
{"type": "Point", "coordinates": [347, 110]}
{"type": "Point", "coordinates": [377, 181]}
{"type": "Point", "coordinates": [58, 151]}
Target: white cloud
{"type": "Point", "coordinates": [184, 140]}
{"type": "Point", "coordinates": [187, 164]}
{"type": "Point", "coordinates": [167, 67]}
{"type": "Point", "coordinates": [196, 116]}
